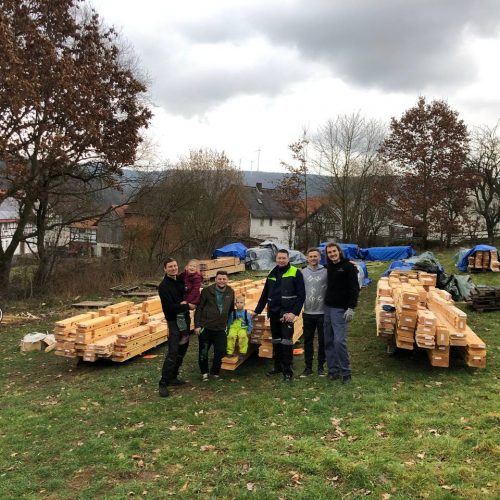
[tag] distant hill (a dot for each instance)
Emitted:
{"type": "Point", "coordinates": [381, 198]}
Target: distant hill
{"type": "Point", "coordinates": [268, 179]}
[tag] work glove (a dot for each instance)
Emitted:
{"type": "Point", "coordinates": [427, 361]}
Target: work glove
{"type": "Point", "coordinates": [349, 315]}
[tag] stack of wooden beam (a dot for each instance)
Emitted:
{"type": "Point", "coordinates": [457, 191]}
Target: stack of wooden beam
{"type": "Point", "coordinates": [209, 267]}
{"type": "Point", "coordinates": [428, 319]}
{"type": "Point", "coordinates": [117, 332]}
{"type": "Point", "coordinates": [485, 298]}
{"type": "Point", "coordinates": [483, 260]}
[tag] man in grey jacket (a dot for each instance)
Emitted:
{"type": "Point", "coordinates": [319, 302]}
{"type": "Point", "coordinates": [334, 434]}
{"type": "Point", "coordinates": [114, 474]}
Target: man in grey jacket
{"type": "Point", "coordinates": [315, 281]}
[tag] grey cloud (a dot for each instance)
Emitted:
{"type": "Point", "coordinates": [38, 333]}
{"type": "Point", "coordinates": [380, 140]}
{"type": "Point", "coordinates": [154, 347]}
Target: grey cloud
{"type": "Point", "coordinates": [189, 89]}
{"type": "Point", "coordinates": [394, 45]}
{"type": "Point", "coordinates": [397, 45]}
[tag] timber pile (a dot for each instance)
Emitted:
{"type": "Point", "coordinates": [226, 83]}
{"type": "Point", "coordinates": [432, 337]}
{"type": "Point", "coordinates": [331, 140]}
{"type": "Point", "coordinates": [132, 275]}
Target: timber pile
{"type": "Point", "coordinates": [209, 267]}
{"type": "Point", "coordinates": [485, 298]}
{"type": "Point", "coordinates": [483, 260]}
{"type": "Point", "coordinates": [417, 313]}
{"type": "Point", "coordinates": [117, 332]}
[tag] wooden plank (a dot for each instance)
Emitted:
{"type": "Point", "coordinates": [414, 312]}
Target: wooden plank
{"type": "Point", "coordinates": [92, 304]}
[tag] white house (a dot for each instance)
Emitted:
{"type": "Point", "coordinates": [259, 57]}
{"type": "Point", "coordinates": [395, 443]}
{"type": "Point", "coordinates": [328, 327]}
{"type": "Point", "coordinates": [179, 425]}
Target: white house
{"type": "Point", "coordinates": [264, 218]}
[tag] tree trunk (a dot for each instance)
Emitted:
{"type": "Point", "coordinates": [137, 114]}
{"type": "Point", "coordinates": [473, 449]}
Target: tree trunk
{"type": "Point", "coordinates": [5, 267]}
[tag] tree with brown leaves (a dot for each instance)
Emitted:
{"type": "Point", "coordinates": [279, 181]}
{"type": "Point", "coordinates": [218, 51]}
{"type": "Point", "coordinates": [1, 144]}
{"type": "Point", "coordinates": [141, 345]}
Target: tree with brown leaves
{"type": "Point", "coordinates": [70, 111]}
{"type": "Point", "coordinates": [428, 147]}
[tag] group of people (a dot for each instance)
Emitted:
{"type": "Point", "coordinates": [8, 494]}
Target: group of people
{"type": "Point", "coordinates": [328, 296]}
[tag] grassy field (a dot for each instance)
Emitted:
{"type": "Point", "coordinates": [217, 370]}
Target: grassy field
{"type": "Point", "coordinates": [401, 430]}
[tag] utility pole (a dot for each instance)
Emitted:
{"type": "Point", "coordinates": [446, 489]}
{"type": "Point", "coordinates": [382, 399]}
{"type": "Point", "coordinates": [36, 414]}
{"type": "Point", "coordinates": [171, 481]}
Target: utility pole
{"type": "Point", "coordinates": [258, 159]}
{"type": "Point", "coordinates": [303, 162]}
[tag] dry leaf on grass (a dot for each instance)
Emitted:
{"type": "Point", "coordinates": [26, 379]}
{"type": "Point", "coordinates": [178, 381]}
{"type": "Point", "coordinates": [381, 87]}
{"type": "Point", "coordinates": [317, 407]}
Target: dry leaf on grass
{"type": "Point", "coordinates": [207, 447]}
{"type": "Point", "coordinates": [250, 486]}
{"type": "Point", "coordinates": [295, 478]}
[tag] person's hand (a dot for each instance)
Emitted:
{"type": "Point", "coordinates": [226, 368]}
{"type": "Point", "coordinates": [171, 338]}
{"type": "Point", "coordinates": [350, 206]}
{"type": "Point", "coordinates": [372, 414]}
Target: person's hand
{"type": "Point", "coordinates": [254, 315]}
{"type": "Point", "coordinates": [349, 315]}
{"type": "Point", "coordinates": [289, 317]}
{"type": "Point", "coordinates": [184, 302]}
{"type": "Point", "coordinates": [197, 330]}
{"type": "Point", "coordinates": [192, 307]}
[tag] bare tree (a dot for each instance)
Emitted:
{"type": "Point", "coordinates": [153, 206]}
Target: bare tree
{"type": "Point", "coordinates": [208, 220]}
{"type": "Point", "coordinates": [484, 160]}
{"type": "Point", "coordinates": [346, 153]}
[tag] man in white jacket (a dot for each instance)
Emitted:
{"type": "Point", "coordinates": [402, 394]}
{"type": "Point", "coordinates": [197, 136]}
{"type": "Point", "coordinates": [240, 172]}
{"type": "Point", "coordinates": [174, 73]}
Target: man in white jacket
{"type": "Point", "coordinates": [315, 281]}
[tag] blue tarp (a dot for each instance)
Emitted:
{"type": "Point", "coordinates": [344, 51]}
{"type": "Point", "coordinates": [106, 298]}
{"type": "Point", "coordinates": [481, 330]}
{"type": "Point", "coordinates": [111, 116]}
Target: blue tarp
{"type": "Point", "coordinates": [462, 262]}
{"type": "Point", "coordinates": [231, 250]}
{"type": "Point", "coordinates": [351, 251]}
{"type": "Point", "coordinates": [387, 253]}
{"type": "Point", "coordinates": [363, 272]}
{"type": "Point", "coordinates": [399, 265]}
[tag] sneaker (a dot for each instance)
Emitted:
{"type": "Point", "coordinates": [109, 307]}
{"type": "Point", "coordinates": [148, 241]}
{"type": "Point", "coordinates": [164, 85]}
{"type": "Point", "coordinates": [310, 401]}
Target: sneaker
{"type": "Point", "coordinates": [216, 377]}
{"type": "Point", "coordinates": [177, 381]}
{"type": "Point", "coordinates": [274, 371]}
{"type": "Point", "coordinates": [333, 376]}
{"type": "Point", "coordinates": [287, 377]}
{"type": "Point", "coordinates": [306, 373]}
{"type": "Point", "coordinates": [204, 377]}
{"type": "Point", "coordinates": [321, 372]}
{"type": "Point", "coordinates": [346, 379]}
{"type": "Point", "coordinates": [163, 391]}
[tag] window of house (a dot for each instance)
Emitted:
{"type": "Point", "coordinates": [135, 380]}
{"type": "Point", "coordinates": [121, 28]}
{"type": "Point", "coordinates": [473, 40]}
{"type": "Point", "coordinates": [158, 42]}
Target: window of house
{"type": "Point", "coordinates": [271, 221]}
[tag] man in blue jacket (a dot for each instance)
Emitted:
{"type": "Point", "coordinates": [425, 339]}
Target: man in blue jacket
{"type": "Point", "coordinates": [284, 295]}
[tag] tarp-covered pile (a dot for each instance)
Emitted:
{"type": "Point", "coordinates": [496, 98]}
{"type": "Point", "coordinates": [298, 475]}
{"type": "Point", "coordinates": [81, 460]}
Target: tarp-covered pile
{"type": "Point", "coordinates": [469, 258]}
{"type": "Point", "coordinates": [263, 257]}
{"type": "Point", "coordinates": [231, 250]}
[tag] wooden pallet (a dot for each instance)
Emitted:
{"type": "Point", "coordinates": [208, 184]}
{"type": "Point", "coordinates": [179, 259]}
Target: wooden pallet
{"type": "Point", "coordinates": [232, 362]}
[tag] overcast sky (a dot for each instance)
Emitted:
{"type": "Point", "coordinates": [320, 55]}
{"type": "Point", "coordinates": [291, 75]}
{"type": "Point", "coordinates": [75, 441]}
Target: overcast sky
{"type": "Point", "coordinates": [249, 75]}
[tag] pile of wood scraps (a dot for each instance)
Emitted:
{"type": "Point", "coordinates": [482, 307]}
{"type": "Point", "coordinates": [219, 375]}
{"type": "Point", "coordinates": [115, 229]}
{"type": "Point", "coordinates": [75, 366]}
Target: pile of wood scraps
{"type": "Point", "coordinates": [117, 332]}
{"type": "Point", "coordinates": [231, 265]}
{"type": "Point", "coordinates": [483, 260]}
{"type": "Point", "coordinates": [485, 298]}
{"type": "Point", "coordinates": [412, 312]}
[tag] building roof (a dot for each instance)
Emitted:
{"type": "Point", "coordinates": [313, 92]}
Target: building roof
{"type": "Point", "coordinates": [120, 210]}
{"type": "Point", "coordinates": [261, 204]}
{"type": "Point", "coordinates": [85, 224]}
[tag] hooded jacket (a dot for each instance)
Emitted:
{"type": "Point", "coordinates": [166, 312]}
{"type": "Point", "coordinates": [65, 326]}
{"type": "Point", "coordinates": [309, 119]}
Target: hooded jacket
{"type": "Point", "coordinates": [343, 287]}
{"type": "Point", "coordinates": [171, 295]}
{"type": "Point", "coordinates": [207, 313]}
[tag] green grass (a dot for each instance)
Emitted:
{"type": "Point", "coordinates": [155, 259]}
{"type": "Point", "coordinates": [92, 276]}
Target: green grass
{"type": "Point", "coordinates": [402, 428]}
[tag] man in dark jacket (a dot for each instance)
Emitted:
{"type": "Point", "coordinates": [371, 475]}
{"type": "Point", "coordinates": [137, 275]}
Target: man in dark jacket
{"type": "Point", "coordinates": [284, 295]}
{"type": "Point", "coordinates": [210, 319]}
{"type": "Point", "coordinates": [341, 299]}
{"type": "Point", "coordinates": [176, 311]}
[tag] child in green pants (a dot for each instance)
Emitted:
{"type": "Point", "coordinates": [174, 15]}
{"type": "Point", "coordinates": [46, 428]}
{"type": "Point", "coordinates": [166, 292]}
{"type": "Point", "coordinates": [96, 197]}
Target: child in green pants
{"type": "Point", "coordinates": [239, 327]}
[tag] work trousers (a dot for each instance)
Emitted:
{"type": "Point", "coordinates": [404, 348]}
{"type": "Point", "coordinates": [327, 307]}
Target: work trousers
{"type": "Point", "coordinates": [282, 340]}
{"type": "Point", "coordinates": [312, 323]}
{"type": "Point", "coordinates": [207, 339]}
{"type": "Point", "coordinates": [337, 356]}
{"type": "Point", "coordinates": [240, 335]}
{"type": "Point", "coordinates": [175, 353]}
